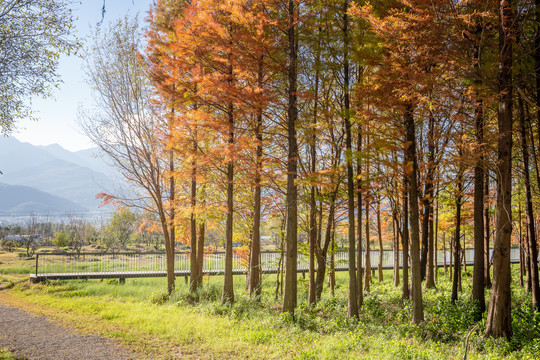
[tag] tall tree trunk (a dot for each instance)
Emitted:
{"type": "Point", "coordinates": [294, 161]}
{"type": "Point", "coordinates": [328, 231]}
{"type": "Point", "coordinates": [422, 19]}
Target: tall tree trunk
{"type": "Point", "coordinates": [194, 275]}
{"type": "Point", "coordinates": [487, 277]}
{"type": "Point", "coordinates": [499, 318]}
{"type": "Point", "coordinates": [396, 230]}
{"type": "Point", "coordinates": [353, 301]}
{"type": "Point", "coordinates": [379, 234]}
{"type": "Point", "coordinates": [255, 253]}
{"type": "Point", "coordinates": [533, 252]}
{"type": "Point", "coordinates": [228, 288]}
{"type": "Point", "coordinates": [405, 294]}
{"type": "Point", "coordinates": [367, 272]}
{"type": "Point", "coordinates": [200, 252]}
{"type": "Point", "coordinates": [457, 236]}
{"type": "Point", "coordinates": [332, 274]}
{"type": "Point", "coordinates": [416, 280]}
{"type": "Point", "coordinates": [428, 211]}
{"type": "Point", "coordinates": [444, 251]}
{"type": "Point", "coordinates": [289, 298]}
{"type": "Point", "coordinates": [478, 269]}
{"type": "Point", "coordinates": [171, 241]}
{"type": "Point", "coordinates": [359, 268]}
{"type": "Point", "coordinates": [322, 254]}
{"type": "Point", "coordinates": [436, 231]}
{"type": "Point", "coordinates": [312, 291]}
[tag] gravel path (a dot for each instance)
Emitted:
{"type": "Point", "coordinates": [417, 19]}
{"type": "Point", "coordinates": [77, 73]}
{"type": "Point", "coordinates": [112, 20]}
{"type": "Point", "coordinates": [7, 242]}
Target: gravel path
{"type": "Point", "coordinates": [37, 338]}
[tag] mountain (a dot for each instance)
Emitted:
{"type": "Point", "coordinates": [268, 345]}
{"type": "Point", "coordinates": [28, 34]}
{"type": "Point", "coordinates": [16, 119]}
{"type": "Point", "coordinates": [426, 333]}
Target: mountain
{"type": "Point", "coordinates": [74, 176]}
{"type": "Point", "coordinates": [90, 158]}
{"type": "Point", "coordinates": [24, 200]}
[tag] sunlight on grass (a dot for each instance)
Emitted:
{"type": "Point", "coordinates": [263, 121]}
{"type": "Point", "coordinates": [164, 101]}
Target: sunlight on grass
{"type": "Point", "coordinates": [138, 313]}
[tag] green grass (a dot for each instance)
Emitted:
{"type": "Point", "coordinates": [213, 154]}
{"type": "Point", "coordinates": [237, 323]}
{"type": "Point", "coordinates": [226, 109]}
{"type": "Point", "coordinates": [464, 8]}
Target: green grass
{"type": "Point", "coordinates": [6, 355]}
{"type": "Point", "coordinates": [139, 313]}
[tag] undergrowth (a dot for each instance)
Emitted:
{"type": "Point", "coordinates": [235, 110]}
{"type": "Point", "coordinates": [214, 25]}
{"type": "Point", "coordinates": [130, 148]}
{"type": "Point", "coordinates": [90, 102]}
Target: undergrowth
{"type": "Point", "coordinates": [383, 329]}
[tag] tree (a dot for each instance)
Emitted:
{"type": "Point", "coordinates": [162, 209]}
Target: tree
{"type": "Point", "coordinates": [61, 239]}
{"type": "Point", "coordinates": [126, 127]}
{"type": "Point", "coordinates": [118, 234]}
{"type": "Point", "coordinates": [289, 299]}
{"type": "Point", "coordinates": [33, 34]}
{"type": "Point", "coordinates": [499, 318]}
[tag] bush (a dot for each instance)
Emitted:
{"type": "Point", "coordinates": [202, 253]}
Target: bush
{"type": "Point", "coordinates": [526, 327]}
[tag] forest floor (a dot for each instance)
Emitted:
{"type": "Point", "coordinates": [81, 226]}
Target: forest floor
{"type": "Point", "coordinates": [142, 318]}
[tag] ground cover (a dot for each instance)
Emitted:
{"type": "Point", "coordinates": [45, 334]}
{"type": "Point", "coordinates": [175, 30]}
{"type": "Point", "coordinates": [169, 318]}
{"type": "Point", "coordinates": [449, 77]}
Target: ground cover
{"type": "Point", "coordinates": [139, 313]}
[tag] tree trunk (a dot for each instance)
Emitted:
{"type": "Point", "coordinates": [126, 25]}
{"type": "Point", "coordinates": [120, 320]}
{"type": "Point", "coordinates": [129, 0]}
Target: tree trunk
{"type": "Point", "coordinates": [416, 281]}
{"type": "Point", "coordinates": [171, 240]}
{"type": "Point", "coordinates": [533, 252]}
{"type": "Point", "coordinates": [396, 230]}
{"type": "Point", "coordinates": [487, 278]}
{"type": "Point", "coordinates": [478, 269]}
{"type": "Point", "coordinates": [405, 294]}
{"type": "Point", "coordinates": [289, 298]}
{"type": "Point", "coordinates": [193, 224]}
{"type": "Point", "coordinates": [429, 194]}
{"type": "Point", "coordinates": [228, 288]}
{"type": "Point", "coordinates": [323, 253]}
{"type": "Point", "coordinates": [499, 318]}
{"type": "Point", "coordinates": [255, 253]}
{"type": "Point", "coordinates": [200, 252]}
{"type": "Point", "coordinates": [367, 273]}
{"type": "Point", "coordinates": [436, 231]}
{"type": "Point", "coordinates": [312, 291]}
{"type": "Point", "coordinates": [359, 268]}
{"type": "Point", "coordinates": [379, 233]}
{"type": "Point", "coordinates": [457, 236]}
{"type": "Point", "coordinates": [332, 272]}
{"type": "Point", "coordinates": [352, 311]}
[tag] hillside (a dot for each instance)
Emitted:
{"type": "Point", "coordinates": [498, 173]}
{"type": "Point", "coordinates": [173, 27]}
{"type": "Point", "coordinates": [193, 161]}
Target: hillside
{"type": "Point", "coordinates": [24, 200]}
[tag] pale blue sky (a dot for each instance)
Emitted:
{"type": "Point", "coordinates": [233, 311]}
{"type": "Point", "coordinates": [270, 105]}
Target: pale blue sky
{"type": "Point", "coordinates": [57, 115]}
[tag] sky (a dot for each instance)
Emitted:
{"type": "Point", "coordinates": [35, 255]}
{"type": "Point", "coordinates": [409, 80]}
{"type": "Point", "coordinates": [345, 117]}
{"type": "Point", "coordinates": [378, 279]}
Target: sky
{"type": "Point", "coordinates": [57, 115]}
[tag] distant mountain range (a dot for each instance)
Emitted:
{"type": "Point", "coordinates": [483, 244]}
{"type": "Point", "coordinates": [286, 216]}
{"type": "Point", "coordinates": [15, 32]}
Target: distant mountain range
{"type": "Point", "coordinates": [50, 178]}
{"type": "Point", "coordinates": [26, 200]}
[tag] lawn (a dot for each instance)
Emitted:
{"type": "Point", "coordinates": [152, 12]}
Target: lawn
{"type": "Point", "coordinates": [183, 326]}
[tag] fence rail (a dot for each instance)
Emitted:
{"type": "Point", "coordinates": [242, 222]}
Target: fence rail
{"type": "Point", "coordinates": [128, 265]}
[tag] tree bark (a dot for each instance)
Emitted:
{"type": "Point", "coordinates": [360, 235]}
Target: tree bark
{"type": "Point", "coordinates": [499, 318]}
{"type": "Point", "coordinates": [531, 239]}
{"type": "Point", "coordinates": [379, 234]}
{"type": "Point", "coordinates": [457, 236]}
{"type": "Point", "coordinates": [171, 240]}
{"type": "Point", "coordinates": [359, 268]}
{"type": "Point", "coordinates": [255, 253]}
{"type": "Point", "coordinates": [193, 223]}
{"type": "Point", "coordinates": [353, 301]}
{"type": "Point", "coordinates": [396, 231]}
{"type": "Point", "coordinates": [478, 269]}
{"type": "Point", "coordinates": [405, 294]}
{"type": "Point", "coordinates": [289, 298]}
{"type": "Point", "coordinates": [487, 277]}
{"type": "Point", "coordinates": [228, 288]}
{"type": "Point", "coordinates": [312, 290]}
{"type": "Point", "coordinates": [416, 281]}
{"type": "Point", "coordinates": [200, 252]}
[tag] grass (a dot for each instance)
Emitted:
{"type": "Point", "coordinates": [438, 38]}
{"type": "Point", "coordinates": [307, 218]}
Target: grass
{"type": "Point", "coordinates": [6, 355]}
{"type": "Point", "coordinates": [197, 326]}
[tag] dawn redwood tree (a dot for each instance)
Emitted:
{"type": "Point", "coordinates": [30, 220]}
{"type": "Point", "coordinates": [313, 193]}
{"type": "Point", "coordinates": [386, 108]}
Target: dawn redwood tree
{"type": "Point", "coordinates": [499, 320]}
{"type": "Point", "coordinates": [126, 127]}
{"type": "Point", "coordinates": [289, 298]}
{"type": "Point", "coordinates": [353, 301]}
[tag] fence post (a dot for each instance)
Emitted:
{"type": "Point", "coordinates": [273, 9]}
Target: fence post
{"type": "Point", "coordinates": [37, 257]}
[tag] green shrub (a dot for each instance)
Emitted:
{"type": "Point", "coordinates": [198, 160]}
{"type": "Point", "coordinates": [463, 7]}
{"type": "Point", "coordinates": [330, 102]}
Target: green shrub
{"type": "Point", "coordinates": [525, 326]}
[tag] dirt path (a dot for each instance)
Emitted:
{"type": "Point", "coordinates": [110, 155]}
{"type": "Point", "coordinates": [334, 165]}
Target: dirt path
{"type": "Point", "coordinates": [37, 338]}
